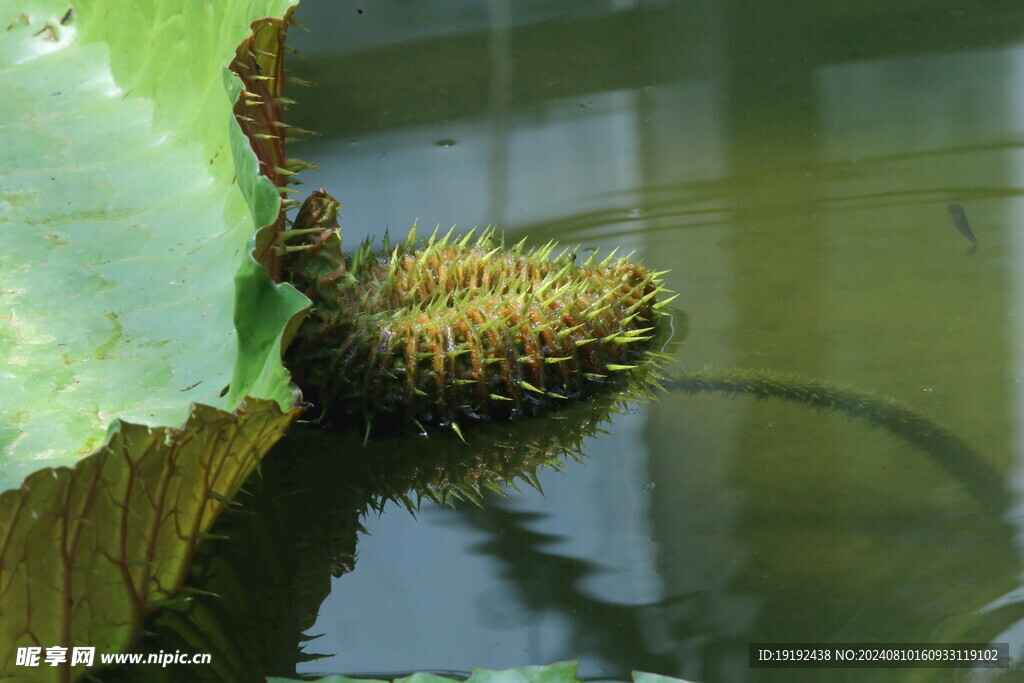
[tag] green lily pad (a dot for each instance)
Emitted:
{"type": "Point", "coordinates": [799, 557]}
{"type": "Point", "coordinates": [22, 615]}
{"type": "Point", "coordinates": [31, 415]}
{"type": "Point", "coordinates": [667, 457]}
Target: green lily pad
{"type": "Point", "coordinates": [128, 202]}
{"type": "Point", "coordinates": [122, 223]}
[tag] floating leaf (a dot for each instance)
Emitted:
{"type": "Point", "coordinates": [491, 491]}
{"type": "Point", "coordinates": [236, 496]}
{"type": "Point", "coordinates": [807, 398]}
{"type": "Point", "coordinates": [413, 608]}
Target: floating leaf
{"type": "Point", "coordinates": [641, 677]}
{"type": "Point", "coordinates": [123, 206]}
{"type": "Point", "coordinates": [560, 672]}
{"type": "Point", "coordinates": [123, 226]}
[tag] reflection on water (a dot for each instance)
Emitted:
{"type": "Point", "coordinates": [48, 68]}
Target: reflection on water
{"type": "Point", "coordinates": [792, 164]}
{"type": "Point", "coordinates": [257, 583]}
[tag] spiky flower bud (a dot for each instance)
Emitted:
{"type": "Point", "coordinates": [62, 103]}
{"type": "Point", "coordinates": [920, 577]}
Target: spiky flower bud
{"type": "Point", "coordinates": [457, 330]}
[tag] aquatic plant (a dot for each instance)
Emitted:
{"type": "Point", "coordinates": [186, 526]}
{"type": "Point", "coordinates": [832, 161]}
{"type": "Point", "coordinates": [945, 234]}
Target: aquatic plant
{"type": "Point", "coordinates": [458, 330]}
{"type": "Point", "coordinates": [127, 194]}
{"type": "Point", "coordinates": [125, 282]}
{"type": "Point", "coordinates": [146, 215]}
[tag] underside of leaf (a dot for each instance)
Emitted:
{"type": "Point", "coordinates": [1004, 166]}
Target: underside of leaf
{"type": "Point", "coordinates": [88, 551]}
{"type": "Point", "coordinates": [260, 112]}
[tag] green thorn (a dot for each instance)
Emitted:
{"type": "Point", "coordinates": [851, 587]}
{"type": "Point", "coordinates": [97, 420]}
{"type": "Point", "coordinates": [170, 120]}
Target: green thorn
{"type": "Point", "coordinates": [455, 428]}
{"type": "Point", "coordinates": [529, 387]}
{"type": "Point", "coordinates": [665, 302]}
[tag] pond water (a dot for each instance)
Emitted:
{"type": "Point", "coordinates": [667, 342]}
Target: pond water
{"type": "Point", "coordinates": [792, 164]}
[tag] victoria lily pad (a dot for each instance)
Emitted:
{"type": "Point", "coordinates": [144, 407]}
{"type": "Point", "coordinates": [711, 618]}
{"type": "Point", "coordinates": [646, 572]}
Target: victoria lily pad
{"type": "Point", "coordinates": [129, 198]}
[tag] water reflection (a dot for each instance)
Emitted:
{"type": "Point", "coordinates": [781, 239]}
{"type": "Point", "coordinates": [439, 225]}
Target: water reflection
{"type": "Point", "coordinates": [254, 588]}
{"type": "Point", "coordinates": [548, 581]}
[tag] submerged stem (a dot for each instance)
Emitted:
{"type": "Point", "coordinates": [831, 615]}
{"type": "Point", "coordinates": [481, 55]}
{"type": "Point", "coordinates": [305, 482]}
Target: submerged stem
{"type": "Point", "coordinates": [973, 470]}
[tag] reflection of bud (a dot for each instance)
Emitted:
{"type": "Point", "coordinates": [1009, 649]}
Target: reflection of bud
{"type": "Point", "coordinates": [442, 466]}
{"type": "Point", "coordinates": [461, 330]}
